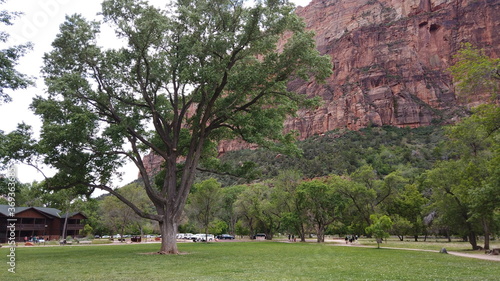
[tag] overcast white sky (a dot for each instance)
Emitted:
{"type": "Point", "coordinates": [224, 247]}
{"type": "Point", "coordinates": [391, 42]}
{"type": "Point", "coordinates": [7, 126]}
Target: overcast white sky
{"type": "Point", "coordinates": [39, 25]}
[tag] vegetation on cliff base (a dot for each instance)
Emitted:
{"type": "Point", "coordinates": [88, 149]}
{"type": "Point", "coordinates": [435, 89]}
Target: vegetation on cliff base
{"type": "Point", "coordinates": [475, 72]}
{"type": "Point", "coordinates": [386, 149]}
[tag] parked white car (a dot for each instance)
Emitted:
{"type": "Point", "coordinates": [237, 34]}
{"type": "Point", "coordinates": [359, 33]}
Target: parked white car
{"type": "Point", "coordinates": [202, 237]}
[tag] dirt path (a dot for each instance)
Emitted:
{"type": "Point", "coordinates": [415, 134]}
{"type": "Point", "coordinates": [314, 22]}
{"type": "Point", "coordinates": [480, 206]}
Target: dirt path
{"type": "Point", "coordinates": [475, 256]}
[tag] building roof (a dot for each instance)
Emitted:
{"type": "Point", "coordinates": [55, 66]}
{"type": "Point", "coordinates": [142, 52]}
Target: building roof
{"type": "Point", "coordinates": [4, 210]}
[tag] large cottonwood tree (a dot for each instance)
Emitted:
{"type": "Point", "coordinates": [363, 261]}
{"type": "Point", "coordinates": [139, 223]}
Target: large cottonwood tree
{"type": "Point", "coordinates": [189, 76]}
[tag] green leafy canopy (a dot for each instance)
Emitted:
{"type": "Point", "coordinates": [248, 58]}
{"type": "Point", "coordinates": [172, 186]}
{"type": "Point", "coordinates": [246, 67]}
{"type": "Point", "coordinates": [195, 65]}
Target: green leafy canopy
{"type": "Point", "coordinates": [186, 78]}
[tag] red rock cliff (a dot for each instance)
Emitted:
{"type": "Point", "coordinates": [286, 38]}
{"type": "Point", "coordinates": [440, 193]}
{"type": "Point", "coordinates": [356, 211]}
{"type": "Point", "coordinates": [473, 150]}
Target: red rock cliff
{"type": "Point", "coordinates": [390, 59]}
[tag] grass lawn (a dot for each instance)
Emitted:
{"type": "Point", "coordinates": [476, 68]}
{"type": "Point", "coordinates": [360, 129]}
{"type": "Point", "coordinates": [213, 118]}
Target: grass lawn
{"type": "Point", "coordinates": [241, 261]}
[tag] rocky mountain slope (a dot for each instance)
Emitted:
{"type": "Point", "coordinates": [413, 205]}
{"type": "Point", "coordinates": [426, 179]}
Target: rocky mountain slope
{"type": "Point", "coordinates": [390, 59]}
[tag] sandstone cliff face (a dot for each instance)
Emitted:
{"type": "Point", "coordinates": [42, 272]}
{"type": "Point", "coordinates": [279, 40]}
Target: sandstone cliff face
{"type": "Point", "coordinates": [390, 59]}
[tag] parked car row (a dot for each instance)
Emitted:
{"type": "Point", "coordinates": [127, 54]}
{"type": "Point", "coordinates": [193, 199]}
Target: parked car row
{"type": "Point", "coordinates": [118, 236]}
{"type": "Point", "coordinates": [202, 237]}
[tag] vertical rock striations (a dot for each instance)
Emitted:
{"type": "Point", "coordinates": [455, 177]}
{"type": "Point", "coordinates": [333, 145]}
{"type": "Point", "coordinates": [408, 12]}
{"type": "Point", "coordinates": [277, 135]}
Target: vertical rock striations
{"type": "Point", "coordinates": [390, 59]}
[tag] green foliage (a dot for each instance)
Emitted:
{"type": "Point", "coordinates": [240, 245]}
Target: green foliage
{"type": "Point", "coordinates": [10, 78]}
{"type": "Point", "coordinates": [205, 203]}
{"type": "Point", "coordinates": [401, 226]}
{"type": "Point", "coordinates": [386, 149]}
{"type": "Point", "coordinates": [228, 214]}
{"type": "Point", "coordinates": [257, 210]}
{"type": "Point", "coordinates": [476, 72]}
{"type": "Point", "coordinates": [91, 209]}
{"type": "Point", "coordinates": [88, 230]}
{"type": "Point", "coordinates": [217, 227]}
{"type": "Point", "coordinates": [465, 189]}
{"type": "Point", "coordinates": [119, 218]}
{"type": "Point", "coordinates": [380, 227]}
{"type": "Point", "coordinates": [285, 196]}
{"type": "Point", "coordinates": [17, 144]}
{"type": "Point", "coordinates": [407, 211]}
{"type": "Point", "coordinates": [322, 204]}
{"type": "Point", "coordinates": [241, 228]}
{"type": "Point", "coordinates": [187, 77]}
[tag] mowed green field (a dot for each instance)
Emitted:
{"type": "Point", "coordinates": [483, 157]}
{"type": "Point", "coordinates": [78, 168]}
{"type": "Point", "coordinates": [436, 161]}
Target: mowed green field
{"type": "Point", "coordinates": [241, 261]}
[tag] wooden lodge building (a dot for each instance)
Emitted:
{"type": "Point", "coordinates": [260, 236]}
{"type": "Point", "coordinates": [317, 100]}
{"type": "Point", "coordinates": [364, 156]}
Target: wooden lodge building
{"type": "Point", "coordinates": [39, 222]}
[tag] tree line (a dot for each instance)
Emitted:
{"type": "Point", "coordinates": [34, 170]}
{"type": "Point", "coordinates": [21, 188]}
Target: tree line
{"type": "Point", "coordinates": [455, 191]}
{"type": "Point", "coordinates": [458, 195]}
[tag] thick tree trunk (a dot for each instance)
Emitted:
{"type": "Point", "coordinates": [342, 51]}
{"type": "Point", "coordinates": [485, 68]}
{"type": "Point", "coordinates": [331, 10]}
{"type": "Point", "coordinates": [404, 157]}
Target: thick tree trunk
{"type": "Point", "coordinates": [321, 234]}
{"type": "Point", "coordinates": [168, 230]}
{"type": "Point", "coordinates": [486, 229]}
{"type": "Point", "coordinates": [302, 233]}
{"type": "Point", "coordinates": [473, 240]}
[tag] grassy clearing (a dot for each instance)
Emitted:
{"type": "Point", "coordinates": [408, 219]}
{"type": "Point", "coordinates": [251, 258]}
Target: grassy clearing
{"type": "Point", "coordinates": [241, 261]}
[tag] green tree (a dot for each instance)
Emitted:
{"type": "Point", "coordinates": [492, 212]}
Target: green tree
{"type": "Point", "coordinates": [379, 228]}
{"type": "Point", "coordinates": [408, 205]}
{"type": "Point", "coordinates": [88, 230]}
{"type": "Point", "coordinates": [366, 191]}
{"type": "Point", "coordinates": [476, 72]}
{"type": "Point", "coordinates": [471, 182]}
{"type": "Point", "coordinates": [118, 216]}
{"type": "Point", "coordinates": [292, 210]}
{"type": "Point", "coordinates": [10, 78]}
{"type": "Point", "coordinates": [217, 227]}
{"type": "Point", "coordinates": [115, 215]}
{"type": "Point", "coordinates": [205, 203]}
{"type": "Point", "coordinates": [257, 210]}
{"type": "Point", "coordinates": [90, 208]}
{"type": "Point", "coordinates": [449, 198]}
{"type": "Point", "coordinates": [401, 226]}
{"type": "Point", "coordinates": [228, 214]}
{"type": "Point", "coordinates": [323, 205]}
{"type": "Point", "coordinates": [188, 77]}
